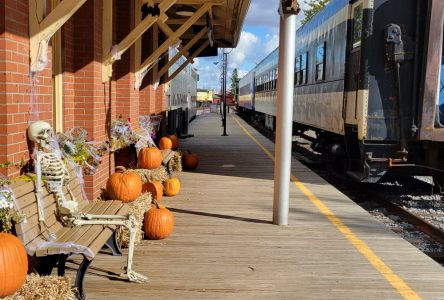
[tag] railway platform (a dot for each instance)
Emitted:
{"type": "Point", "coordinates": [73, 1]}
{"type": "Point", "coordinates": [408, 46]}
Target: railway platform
{"type": "Point", "coordinates": [224, 245]}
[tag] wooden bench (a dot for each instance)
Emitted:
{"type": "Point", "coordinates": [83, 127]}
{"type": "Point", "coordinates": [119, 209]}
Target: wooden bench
{"type": "Point", "coordinates": [86, 240]}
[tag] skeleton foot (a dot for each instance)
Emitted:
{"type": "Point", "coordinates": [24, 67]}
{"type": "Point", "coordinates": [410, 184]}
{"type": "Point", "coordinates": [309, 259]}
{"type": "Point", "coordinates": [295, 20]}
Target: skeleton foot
{"type": "Point", "coordinates": [133, 276]}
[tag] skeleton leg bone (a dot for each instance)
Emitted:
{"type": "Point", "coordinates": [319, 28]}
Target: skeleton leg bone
{"type": "Point", "coordinates": [131, 224]}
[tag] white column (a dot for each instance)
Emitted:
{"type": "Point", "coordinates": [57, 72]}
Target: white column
{"type": "Point", "coordinates": [284, 119]}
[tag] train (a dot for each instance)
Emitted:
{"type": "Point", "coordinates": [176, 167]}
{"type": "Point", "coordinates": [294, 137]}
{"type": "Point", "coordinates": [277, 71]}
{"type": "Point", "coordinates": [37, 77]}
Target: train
{"type": "Point", "coordinates": [368, 85]}
{"type": "Point", "coordinates": [181, 95]}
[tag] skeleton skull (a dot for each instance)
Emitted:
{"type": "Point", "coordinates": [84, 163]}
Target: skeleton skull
{"type": "Point", "coordinates": [41, 133]}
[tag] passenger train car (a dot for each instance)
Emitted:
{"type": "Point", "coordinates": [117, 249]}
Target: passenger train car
{"type": "Point", "coordinates": [368, 82]}
{"type": "Point", "coordinates": [181, 97]}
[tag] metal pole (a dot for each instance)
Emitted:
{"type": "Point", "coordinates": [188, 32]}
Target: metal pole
{"type": "Point", "coordinates": [284, 117]}
{"type": "Point", "coordinates": [224, 121]}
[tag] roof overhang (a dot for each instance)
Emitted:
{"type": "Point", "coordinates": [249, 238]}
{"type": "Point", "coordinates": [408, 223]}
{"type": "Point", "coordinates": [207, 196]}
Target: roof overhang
{"type": "Point", "coordinates": [226, 19]}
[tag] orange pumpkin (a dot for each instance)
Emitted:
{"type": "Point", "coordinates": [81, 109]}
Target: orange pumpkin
{"type": "Point", "coordinates": [171, 187]}
{"type": "Point", "coordinates": [190, 161]}
{"type": "Point", "coordinates": [13, 264]}
{"type": "Point", "coordinates": [165, 143]}
{"type": "Point", "coordinates": [150, 158]}
{"type": "Point", "coordinates": [174, 140]}
{"type": "Point", "coordinates": [159, 222]}
{"type": "Point", "coordinates": [124, 186]}
{"type": "Point", "coordinates": [155, 188]}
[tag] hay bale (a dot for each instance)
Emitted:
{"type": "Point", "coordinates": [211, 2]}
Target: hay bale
{"type": "Point", "coordinates": [138, 207]}
{"type": "Point", "coordinates": [159, 174]}
{"type": "Point", "coordinates": [45, 287]}
{"type": "Point", "coordinates": [175, 163]}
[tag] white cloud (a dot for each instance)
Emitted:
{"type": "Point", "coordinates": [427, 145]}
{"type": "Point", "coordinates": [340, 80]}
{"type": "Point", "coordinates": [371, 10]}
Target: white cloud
{"type": "Point", "coordinates": [272, 43]}
{"type": "Point", "coordinates": [263, 13]}
{"type": "Point", "coordinates": [245, 49]}
{"type": "Point", "coordinates": [196, 63]}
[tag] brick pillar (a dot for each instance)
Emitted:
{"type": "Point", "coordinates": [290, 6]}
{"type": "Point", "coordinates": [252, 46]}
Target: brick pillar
{"type": "Point", "coordinates": [88, 102]}
{"type": "Point", "coordinates": [15, 89]}
{"type": "Point", "coordinates": [127, 98]}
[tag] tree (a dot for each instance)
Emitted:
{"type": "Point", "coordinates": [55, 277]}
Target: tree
{"type": "Point", "coordinates": [315, 6]}
{"type": "Point", "coordinates": [234, 81]}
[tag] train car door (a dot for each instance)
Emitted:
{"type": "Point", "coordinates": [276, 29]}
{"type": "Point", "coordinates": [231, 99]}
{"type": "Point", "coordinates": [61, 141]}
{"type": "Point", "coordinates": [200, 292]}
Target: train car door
{"type": "Point", "coordinates": [354, 60]}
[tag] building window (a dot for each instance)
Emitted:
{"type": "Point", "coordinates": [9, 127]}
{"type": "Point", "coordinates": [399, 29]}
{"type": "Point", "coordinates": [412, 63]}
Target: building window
{"type": "Point", "coordinates": [304, 67]}
{"type": "Point", "coordinates": [357, 26]}
{"type": "Point", "coordinates": [320, 62]}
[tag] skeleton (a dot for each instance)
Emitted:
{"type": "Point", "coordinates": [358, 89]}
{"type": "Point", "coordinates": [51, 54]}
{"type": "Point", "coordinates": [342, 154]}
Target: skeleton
{"type": "Point", "coordinates": [51, 169]}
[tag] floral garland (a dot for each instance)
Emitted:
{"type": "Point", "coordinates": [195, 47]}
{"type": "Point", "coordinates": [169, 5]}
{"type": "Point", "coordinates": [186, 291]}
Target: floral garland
{"type": "Point", "coordinates": [7, 210]}
{"type": "Point", "coordinates": [75, 146]}
{"type": "Point", "coordinates": [148, 125]}
{"type": "Point", "coordinates": [122, 135]}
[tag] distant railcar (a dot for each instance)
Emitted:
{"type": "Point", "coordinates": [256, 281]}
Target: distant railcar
{"type": "Point", "coordinates": [369, 82]}
{"type": "Point", "coordinates": [181, 97]}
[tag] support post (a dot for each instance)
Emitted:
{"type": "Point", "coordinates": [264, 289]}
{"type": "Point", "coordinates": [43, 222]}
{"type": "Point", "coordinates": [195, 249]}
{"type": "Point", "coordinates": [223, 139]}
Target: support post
{"type": "Point", "coordinates": [284, 117]}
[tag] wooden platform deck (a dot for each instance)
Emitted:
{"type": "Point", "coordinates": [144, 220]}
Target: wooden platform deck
{"type": "Point", "coordinates": [225, 247]}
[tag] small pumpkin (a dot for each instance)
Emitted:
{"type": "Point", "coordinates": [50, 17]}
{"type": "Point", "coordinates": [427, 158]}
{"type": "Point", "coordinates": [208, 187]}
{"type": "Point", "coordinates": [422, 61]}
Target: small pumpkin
{"type": "Point", "coordinates": [159, 222]}
{"type": "Point", "coordinates": [171, 187]}
{"type": "Point", "coordinates": [190, 161]}
{"type": "Point", "coordinates": [150, 158]}
{"type": "Point", "coordinates": [165, 143]}
{"type": "Point", "coordinates": [155, 188]}
{"type": "Point", "coordinates": [13, 264]}
{"type": "Point", "coordinates": [124, 186]}
{"type": "Point", "coordinates": [175, 141]}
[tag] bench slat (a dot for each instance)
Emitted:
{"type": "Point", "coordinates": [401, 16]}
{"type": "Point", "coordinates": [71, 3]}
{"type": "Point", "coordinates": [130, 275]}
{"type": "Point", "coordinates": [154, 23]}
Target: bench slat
{"type": "Point", "coordinates": [86, 234]}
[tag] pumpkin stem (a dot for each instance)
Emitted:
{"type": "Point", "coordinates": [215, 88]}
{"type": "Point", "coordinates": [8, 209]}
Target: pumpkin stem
{"type": "Point", "coordinates": [156, 203]}
{"type": "Point", "coordinates": [120, 169]}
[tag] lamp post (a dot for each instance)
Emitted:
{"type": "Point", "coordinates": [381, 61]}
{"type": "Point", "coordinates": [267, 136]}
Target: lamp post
{"type": "Point", "coordinates": [224, 91]}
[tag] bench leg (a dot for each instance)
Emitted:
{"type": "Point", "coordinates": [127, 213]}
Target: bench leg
{"type": "Point", "coordinates": [61, 265]}
{"type": "Point", "coordinates": [80, 277]}
{"type": "Point", "coordinates": [46, 264]}
{"type": "Point", "coordinates": [112, 244]}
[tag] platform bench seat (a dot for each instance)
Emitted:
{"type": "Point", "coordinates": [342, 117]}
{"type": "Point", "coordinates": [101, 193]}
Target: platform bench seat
{"type": "Point", "coordinates": [85, 240]}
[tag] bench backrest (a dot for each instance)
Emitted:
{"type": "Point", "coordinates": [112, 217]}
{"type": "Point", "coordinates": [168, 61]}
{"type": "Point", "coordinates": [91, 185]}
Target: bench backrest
{"type": "Point", "coordinates": [26, 203]}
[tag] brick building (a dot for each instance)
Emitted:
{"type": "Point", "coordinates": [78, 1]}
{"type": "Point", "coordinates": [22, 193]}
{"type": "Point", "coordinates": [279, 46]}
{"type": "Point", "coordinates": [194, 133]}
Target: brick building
{"type": "Point", "coordinates": [70, 90]}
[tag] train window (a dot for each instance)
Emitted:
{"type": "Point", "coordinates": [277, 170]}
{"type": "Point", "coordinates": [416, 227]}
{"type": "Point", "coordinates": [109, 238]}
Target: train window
{"type": "Point", "coordinates": [320, 62]}
{"type": "Point", "coordinates": [357, 25]}
{"type": "Point", "coordinates": [304, 67]}
{"type": "Point", "coordinates": [297, 69]}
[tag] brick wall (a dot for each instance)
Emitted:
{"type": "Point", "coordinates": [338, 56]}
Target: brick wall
{"type": "Point", "coordinates": [127, 98]}
{"type": "Point", "coordinates": [87, 102]}
{"type": "Point", "coordinates": [16, 85]}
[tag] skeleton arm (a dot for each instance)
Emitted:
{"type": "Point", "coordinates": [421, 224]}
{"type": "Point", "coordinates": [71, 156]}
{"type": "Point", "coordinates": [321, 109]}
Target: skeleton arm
{"type": "Point", "coordinates": [39, 189]}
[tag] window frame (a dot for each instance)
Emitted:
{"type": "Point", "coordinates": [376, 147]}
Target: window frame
{"type": "Point", "coordinates": [321, 62]}
{"type": "Point", "coordinates": [357, 7]}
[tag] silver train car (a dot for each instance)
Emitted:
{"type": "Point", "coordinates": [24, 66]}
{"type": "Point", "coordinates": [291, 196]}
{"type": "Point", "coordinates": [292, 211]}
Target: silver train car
{"type": "Point", "coordinates": [181, 97]}
{"type": "Point", "coordinates": [369, 82]}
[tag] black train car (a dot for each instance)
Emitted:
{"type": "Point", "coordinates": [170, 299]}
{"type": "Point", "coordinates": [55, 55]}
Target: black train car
{"type": "Point", "coordinates": [368, 82]}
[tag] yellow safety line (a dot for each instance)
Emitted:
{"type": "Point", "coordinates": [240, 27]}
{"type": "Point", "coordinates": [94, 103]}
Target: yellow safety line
{"type": "Point", "coordinates": [396, 281]}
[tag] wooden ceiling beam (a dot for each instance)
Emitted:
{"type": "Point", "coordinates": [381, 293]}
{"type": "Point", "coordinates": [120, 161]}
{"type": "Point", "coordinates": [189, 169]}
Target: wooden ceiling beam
{"type": "Point", "coordinates": [179, 54]}
{"type": "Point", "coordinates": [170, 41]}
{"type": "Point", "coordinates": [41, 28]}
{"type": "Point", "coordinates": [168, 32]}
{"type": "Point", "coordinates": [189, 60]}
{"type": "Point", "coordinates": [194, 2]}
{"type": "Point", "coordinates": [114, 53]}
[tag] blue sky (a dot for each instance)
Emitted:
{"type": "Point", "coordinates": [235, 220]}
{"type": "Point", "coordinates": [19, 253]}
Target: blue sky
{"type": "Point", "coordinates": [260, 36]}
